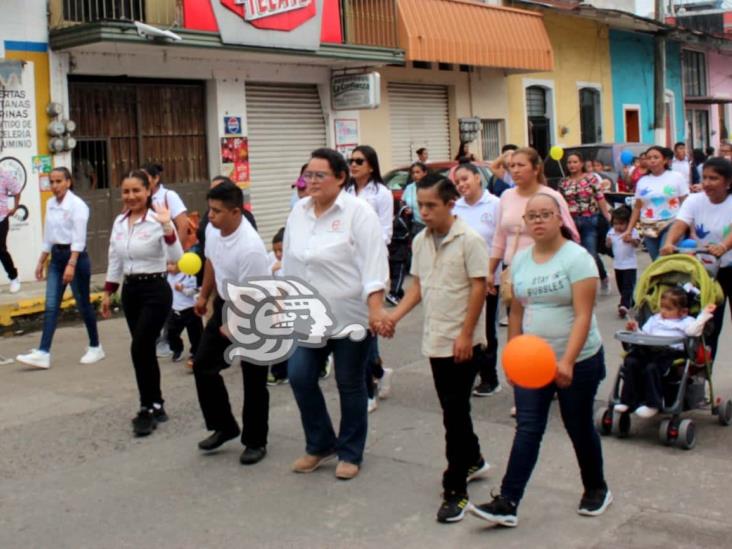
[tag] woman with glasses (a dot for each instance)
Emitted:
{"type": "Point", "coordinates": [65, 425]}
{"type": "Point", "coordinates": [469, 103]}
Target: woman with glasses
{"type": "Point", "coordinates": [366, 182]}
{"type": "Point", "coordinates": [555, 282]}
{"type": "Point", "coordinates": [416, 173]}
{"type": "Point", "coordinates": [335, 242]}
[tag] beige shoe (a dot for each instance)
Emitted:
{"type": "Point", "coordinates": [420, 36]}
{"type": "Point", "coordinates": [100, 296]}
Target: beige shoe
{"type": "Point", "coordinates": [346, 471]}
{"type": "Point", "coordinates": [309, 463]}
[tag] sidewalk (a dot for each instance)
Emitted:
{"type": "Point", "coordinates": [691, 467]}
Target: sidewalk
{"type": "Point", "coordinates": [30, 301]}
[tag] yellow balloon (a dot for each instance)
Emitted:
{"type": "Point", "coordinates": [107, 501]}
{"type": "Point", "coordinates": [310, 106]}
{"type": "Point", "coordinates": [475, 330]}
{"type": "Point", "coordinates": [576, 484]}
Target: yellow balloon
{"type": "Point", "coordinates": [189, 263]}
{"type": "Point", "coordinates": [556, 152]}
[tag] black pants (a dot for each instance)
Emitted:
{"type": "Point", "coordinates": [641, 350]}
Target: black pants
{"type": "Point", "coordinates": [212, 394]}
{"type": "Point", "coordinates": [643, 372]}
{"type": "Point", "coordinates": [488, 358]}
{"type": "Point", "coordinates": [625, 279]}
{"type": "Point", "coordinates": [5, 258]}
{"type": "Point", "coordinates": [178, 321]}
{"type": "Point", "coordinates": [454, 384]}
{"type": "Point", "coordinates": [724, 277]}
{"type": "Point", "coordinates": [146, 304]}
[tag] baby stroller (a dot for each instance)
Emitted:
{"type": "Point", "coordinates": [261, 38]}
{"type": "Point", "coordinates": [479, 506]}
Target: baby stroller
{"type": "Point", "coordinates": [685, 385]}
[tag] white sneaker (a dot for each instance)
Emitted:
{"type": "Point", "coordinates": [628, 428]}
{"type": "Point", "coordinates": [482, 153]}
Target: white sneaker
{"type": "Point", "coordinates": [385, 383]}
{"type": "Point", "coordinates": [162, 350]}
{"type": "Point", "coordinates": [14, 286]}
{"type": "Point", "coordinates": [373, 404]}
{"type": "Point", "coordinates": [92, 355]}
{"type": "Point", "coordinates": [621, 408]}
{"type": "Point", "coordinates": [503, 322]}
{"type": "Point", "coordinates": [36, 358]}
{"type": "Point", "coordinates": [645, 412]}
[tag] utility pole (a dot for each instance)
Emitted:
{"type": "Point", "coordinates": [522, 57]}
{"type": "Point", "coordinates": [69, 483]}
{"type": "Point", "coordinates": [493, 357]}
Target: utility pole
{"type": "Point", "coordinates": [659, 87]}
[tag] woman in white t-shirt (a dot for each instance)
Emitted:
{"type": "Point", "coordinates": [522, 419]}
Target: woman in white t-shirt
{"type": "Point", "coordinates": [709, 213]}
{"type": "Point", "coordinates": [479, 209]}
{"type": "Point", "coordinates": [167, 198]}
{"type": "Point", "coordinates": [658, 198]}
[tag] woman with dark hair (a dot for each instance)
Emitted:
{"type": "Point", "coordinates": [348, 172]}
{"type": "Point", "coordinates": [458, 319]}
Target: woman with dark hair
{"type": "Point", "coordinates": [142, 241]}
{"type": "Point", "coordinates": [64, 241]}
{"type": "Point", "coordinates": [9, 186]}
{"type": "Point", "coordinates": [335, 242]}
{"type": "Point", "coordinates": [416, 172]}
{"type": "Point", "coordinates": [709, 213]}
{"type": "Point", "coordinates": [555, 283]}
{"type": "Point", "coordinates": [464, 154]}
{"type": "Point", "coordinates": [658, 198]}
{"type": "Point", "coordinates": [170, 199]}
{"type": "Point", "coordinates": [366, 182]}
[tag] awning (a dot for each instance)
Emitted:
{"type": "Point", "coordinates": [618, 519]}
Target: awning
{"type": "Point", "coordinates": [469, 33]}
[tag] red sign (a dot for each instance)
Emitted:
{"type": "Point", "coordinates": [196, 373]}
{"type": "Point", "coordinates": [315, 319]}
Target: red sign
{"type": "Point", "coordinates": [281, 15]}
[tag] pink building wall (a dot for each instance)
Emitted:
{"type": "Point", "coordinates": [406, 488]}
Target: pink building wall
{"type": "Point", "coordinates": [720, 85]}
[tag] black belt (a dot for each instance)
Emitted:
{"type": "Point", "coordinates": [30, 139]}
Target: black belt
{"type": "Point", "coordinates": [144, 277]}
{"type": "Point", "coordinates": [64, 248]}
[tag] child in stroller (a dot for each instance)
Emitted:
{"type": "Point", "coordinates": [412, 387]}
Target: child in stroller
{"type": "Point", "coordinates": [645, 367]}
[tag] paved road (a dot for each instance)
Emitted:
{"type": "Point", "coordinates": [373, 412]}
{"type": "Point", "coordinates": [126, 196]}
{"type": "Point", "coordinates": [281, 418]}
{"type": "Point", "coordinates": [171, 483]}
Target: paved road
{"type": "Point", "coordinates": [72, 476]}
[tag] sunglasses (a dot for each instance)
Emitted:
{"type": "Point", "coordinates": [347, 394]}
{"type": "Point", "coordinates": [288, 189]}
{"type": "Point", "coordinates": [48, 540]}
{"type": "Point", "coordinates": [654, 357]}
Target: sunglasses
{"type": "Point", "coordinates": [357, 161]}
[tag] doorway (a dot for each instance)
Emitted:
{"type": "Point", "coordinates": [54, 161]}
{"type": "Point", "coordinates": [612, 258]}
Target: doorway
{"type": "Point", "coordinates": [632, 125]}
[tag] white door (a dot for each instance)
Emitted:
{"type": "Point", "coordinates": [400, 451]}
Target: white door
{"type": "Point", "coordinates": [419, 118]}
{"type": "Point", "coordinates": [285, 124]}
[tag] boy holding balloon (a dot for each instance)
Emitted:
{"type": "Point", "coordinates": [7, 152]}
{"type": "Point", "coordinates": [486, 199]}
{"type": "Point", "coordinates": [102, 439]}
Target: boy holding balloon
{"type": "Point", "coordinates": [449, 266]}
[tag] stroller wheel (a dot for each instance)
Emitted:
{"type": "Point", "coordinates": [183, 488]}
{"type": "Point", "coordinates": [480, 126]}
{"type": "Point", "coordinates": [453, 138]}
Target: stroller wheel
{"type": "Point", "coordinates": [621, 424]}
{"type": "Point", "coordinates": [687, 434]}
{"type": "Point", "coordinates": [724, 412]}
{"type": "Point", "coordinates": [664, 432]}
{"type": "Point", "coordinates": [604, 421]}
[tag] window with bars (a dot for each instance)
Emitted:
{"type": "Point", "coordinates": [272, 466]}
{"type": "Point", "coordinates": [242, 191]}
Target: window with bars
{"type": "Point", "coordinates": [492, 131]}
{"type": "Point", "coordinates": [694, 65]}
{"type": "Point", "coordinates": [536, 101]}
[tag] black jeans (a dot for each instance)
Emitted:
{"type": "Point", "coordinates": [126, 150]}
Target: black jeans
{"type": "Point", "coordinates": [576, 406]}
{"type": "Point", "coordinates": [643, 372]}
{"type": "Point", "coordinates": [488, 358]}
{"type": "Point", "coordinates": [146, 304]}
{"type": "Point", "coordinates": [454, 384]}
{"type": "Point", "coordinates": [724, 277]}
{"type": "Point", "coordinates": [5, 258]}
{"type": "Point", "coordinates": [625, 279]}
{"type": "Point", "coordinates": [212, 394]}
{"type": "Point", "coordinates": [178, 321]}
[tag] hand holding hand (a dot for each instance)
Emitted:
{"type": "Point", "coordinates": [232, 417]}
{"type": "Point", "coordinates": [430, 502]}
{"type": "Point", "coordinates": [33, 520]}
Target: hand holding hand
{"type": "Point", "coordinates": [627, 236]}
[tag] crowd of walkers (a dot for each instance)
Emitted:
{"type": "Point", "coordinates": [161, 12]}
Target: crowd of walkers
{"type": "Point", "coordinates": [468, 244]}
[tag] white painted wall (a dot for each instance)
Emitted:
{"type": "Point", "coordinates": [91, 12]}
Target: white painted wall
{"type": "Point", "coordinates": [23, 20]}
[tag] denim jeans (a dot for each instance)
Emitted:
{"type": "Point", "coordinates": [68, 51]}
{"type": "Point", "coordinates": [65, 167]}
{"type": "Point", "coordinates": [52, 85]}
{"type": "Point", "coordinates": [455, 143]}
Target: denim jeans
{"type": "Point", "coordinates": [576, 407]}
{"type": "Point", "coordinates": [350, 366]}
{"type": "Point", "coordinates": [654, 245]}
{"type": "Point", "coordinates": [55, 289]}
{"type": "Point", "coordinates": [587, 228]}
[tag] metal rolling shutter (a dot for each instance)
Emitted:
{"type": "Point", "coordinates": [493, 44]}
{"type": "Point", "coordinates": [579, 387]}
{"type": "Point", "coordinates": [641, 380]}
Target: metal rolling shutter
{"type": "Point", "coordinates": [285, 124]}
{"type": "Point", "coordinates": [419, 118]}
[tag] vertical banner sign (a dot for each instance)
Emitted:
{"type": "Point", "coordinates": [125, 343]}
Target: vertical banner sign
{"type": "Point", "coordinates": [19, 145]}
{"type": "Point", "coordinates": [346, 135]}
{"type": "Point", "coordinates": [235, 160]}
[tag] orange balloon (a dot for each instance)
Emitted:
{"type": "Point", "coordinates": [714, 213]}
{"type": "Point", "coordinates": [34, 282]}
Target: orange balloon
{"type": "Point", "coordinates": [529, 362]}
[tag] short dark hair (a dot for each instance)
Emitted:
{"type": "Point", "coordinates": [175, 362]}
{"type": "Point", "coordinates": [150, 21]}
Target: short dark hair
{"type": "Point", "coordinates": [622, 214]}
{"type": "Point", "coordinates": [677, 296]}
{"type": "Point", "coordinates": [223, 179]}
{"type": "Point", "coordinates": [509, 147]}
{"type": "Point", "coordinates": [445, 188]}
{"type": "Point", "coordinates": [153, 169]}
{"type": "Point", "coordinates": [229, 194]}
{"type": "Point", "coordinates": [421, 165]}
{"type": "Point", "coordinates": [421, 150]}
{"type": "Point", "coordinates": [472, 168]}
{"type": "Point", "coordinates": [722, 167]}
{"type": "Point", "coordinates": [279, 236]}
{"type": "Point", "coordinates": [335, 160]}
{"type": "Point", "coordinates": [679, 144]}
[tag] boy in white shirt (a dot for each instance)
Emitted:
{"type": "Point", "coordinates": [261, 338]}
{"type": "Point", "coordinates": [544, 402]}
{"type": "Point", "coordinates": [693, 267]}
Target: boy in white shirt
{"type": "Point", "coordinates": [183, 315]}
{"type": "Point", "coordinates": [644, 367]}
{"type": "Point", "coordinates": [625, 262]}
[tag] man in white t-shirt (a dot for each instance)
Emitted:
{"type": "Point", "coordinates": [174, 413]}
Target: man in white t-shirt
{"type": "Point", "coordinates": [680, 163]}
{"type": "Point", "coordinates": [234, 253]}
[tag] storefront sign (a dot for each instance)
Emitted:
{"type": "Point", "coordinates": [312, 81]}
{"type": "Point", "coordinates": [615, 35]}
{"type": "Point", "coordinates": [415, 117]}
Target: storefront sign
{"type": "Point", "coordinates": [346, 135]}
{"type": "Point", "coordinates": [356, 91]}
{"type": "Point", "coordinates": [232, 124]}
{"type": "Point", "coordinates": [235, 160]}
{"type": "Point", "coordinates": [258, 9]}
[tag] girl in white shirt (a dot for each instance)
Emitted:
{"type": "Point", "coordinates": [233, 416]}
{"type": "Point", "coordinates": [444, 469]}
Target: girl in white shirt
{"type": "Point", "coordinates": [64, 242]}
{"type": "Point", "coordinates": [170, 199]}
{"type": "Point", "coordinates": [142, 241]}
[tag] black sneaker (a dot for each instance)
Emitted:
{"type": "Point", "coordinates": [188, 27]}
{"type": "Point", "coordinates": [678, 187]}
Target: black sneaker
{"type": "Point", "coordinates": [177, 355]}
{"type": "Point", "coordinates": [144, 423]}
{"type": "Point", "coordinates": [594, 502]}
{"type": "Point", "coordinates": [453, 508]}
{"type": "Point", "coordinates": [500, 511]}
{"type": "Point", "coordinates": [479, 470]}
{"type": "Point", "coordinates": [486, 389]}
{"type": "Point", "coordinates": [217, 439]}
{"type": "Point", "coordinates": [159, 413]}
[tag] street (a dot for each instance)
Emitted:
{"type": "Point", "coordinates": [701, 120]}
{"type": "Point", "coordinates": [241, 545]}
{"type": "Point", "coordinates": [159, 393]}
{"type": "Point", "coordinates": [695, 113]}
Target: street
{"type": "Point", "coordinates": [73, 476]}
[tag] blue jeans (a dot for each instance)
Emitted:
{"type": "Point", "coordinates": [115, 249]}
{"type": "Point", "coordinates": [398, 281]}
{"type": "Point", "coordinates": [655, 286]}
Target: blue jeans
{"type": "Point", "coordinates": [587, 226]}
{"type": "Point", "coordinates": [654, 245]}
{"type": "Point", "coordinates": [576, 406]}
{"type": "Point", "coordinates": [350, 370]}
{"type": "Point", "coordinates": [55, 289]}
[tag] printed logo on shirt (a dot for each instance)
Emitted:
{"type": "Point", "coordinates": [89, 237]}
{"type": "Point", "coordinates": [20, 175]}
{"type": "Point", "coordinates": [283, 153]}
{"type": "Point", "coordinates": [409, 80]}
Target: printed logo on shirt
{"type": "Point", "coordinates": [267, 319]}
{"type": "Point", "coordinates": [336, 226]}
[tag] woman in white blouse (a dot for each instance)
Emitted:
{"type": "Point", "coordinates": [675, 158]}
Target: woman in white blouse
{"type": "Point", "coordinates": [333, 241]}
{"type": "Point", "coordinates": [141, 244]}
{"type": "Point", "coordinates": [64, 242]}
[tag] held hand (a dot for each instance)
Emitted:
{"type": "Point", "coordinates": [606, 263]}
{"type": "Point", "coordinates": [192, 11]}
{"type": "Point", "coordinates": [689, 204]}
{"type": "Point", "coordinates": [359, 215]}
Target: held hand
{"type": "Point", "coordinates": [376, 320]}
{"type": "Point", "coordinates": [710, 308]}
{"type": "Point", "coordinates": [667, 249]}
{"type": "Point", "coordinates": [40, 274]}
{"type": "Point", "coordinates": [69, 272]}
{"type": "Point", "coordinates": [106, 307]}
{"type": "Point", "coordinates": [179, 287]}
{"type": "Point", "coordinates": [565, 372]}
{"type": "Point", "coordinates": [717, 250]}
{"type": "Point", "coordinates": [627, 236]}
{"type": "Point", "coordinates": [201, 306]}
{"type": "Point", "coordinates": [462, 348]}
{"type": "Point", "coordinates": [162, 214]}
{"type": "Point", "coordinates": [388, 326]}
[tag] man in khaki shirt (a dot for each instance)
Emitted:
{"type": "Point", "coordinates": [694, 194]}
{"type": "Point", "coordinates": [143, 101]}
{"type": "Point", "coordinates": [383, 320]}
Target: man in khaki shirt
{"type": "Point", "coordinates": [449, 266]}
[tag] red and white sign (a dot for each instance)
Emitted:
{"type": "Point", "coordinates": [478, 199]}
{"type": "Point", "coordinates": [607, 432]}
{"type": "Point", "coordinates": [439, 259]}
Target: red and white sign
{"type": "Point", "coordinates": [281, 15]}
{"type": "Point", "coordinates": [256, 9]}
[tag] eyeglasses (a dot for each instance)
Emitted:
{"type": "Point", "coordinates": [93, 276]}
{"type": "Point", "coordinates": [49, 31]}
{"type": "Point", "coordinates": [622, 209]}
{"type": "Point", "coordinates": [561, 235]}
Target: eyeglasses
{"type": "Point", "coordinates": [357, 161]}
{"type": "Point", "coordinates": [315, 176]}
{"type": "Point", "coordinates": [532, 218]}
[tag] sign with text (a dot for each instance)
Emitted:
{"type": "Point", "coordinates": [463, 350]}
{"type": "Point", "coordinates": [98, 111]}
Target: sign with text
{"type": "Point", "coordinates": [356, 91]}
